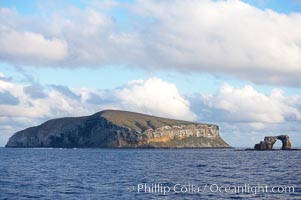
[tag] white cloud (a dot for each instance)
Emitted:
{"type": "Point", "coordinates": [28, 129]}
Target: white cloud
{"type": "Point", "coordinates": [221, 37]}
{"type": "Point", "coordinates": [22, 40]}
{"type": "Point", "coordinates": [224, 36]}
{"type": "Point", "coordinates": [246, 105]}
{"type": "Point", "coordinates": [155, 96]}
{"type": "Point", "coordinates": [28, 46]}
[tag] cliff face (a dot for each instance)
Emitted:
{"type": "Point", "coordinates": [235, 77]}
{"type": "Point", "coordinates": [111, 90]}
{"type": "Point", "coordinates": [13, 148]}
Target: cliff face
{"type": "Point", "coordinates": [118, 129]}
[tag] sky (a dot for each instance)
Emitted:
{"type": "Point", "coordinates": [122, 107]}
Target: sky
{"type": "Point", "coordinates": [232, 63]}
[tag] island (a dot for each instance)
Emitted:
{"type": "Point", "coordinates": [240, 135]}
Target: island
{"type": "Point", "coordinates": [119, 129]}
{"type": "Point", "coordinates": [269, 141]}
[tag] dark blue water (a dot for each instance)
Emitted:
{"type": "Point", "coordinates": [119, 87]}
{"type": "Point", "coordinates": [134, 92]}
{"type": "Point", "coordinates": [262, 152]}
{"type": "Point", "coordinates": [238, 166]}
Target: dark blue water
{"type": "Point", "coordinates": [130, 173]}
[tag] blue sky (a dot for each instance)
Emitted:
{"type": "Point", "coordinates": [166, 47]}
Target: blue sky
{"type": "Point", "coordinates": [234, 63]}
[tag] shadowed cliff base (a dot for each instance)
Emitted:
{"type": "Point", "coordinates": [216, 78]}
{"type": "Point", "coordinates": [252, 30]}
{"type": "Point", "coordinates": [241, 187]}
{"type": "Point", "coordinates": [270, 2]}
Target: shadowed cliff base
{"type": "Point", "coordinates": [119, 129]}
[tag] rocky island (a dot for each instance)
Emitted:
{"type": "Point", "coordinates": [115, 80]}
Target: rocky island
{"type": "Point", "coordinates": [118, 129]}
{"type": "Point", "coordinates": [269, 141]}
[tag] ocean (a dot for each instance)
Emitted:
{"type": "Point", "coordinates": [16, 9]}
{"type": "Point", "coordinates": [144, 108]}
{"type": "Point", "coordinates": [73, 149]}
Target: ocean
{"type": "Point", "coordinates": [149, 174]}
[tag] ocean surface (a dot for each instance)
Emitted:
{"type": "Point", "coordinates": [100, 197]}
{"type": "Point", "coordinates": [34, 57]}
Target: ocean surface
{"type": "Point", "coordinates": [149, 174]}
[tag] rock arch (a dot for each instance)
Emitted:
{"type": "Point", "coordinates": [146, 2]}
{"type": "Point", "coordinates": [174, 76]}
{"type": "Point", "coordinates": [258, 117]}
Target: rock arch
{"type": "Point", "coordinates": [269, 141]}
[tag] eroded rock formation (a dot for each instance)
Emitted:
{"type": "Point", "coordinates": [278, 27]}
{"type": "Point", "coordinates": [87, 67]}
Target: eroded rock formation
{"type": "Point", "coordinates": [269, 141]}
{"type": "Point", "coordinates": [112, 128]}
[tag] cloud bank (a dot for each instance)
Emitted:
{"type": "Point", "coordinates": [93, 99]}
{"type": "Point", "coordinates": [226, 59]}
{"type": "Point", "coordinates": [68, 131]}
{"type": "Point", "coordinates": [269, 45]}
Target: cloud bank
{"type": "Point", "coordinates": [220, 37]}
{"type": "Point", "coordinates": [235, 109]}
{"type": "Point", "coordinates": [246, 105]}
